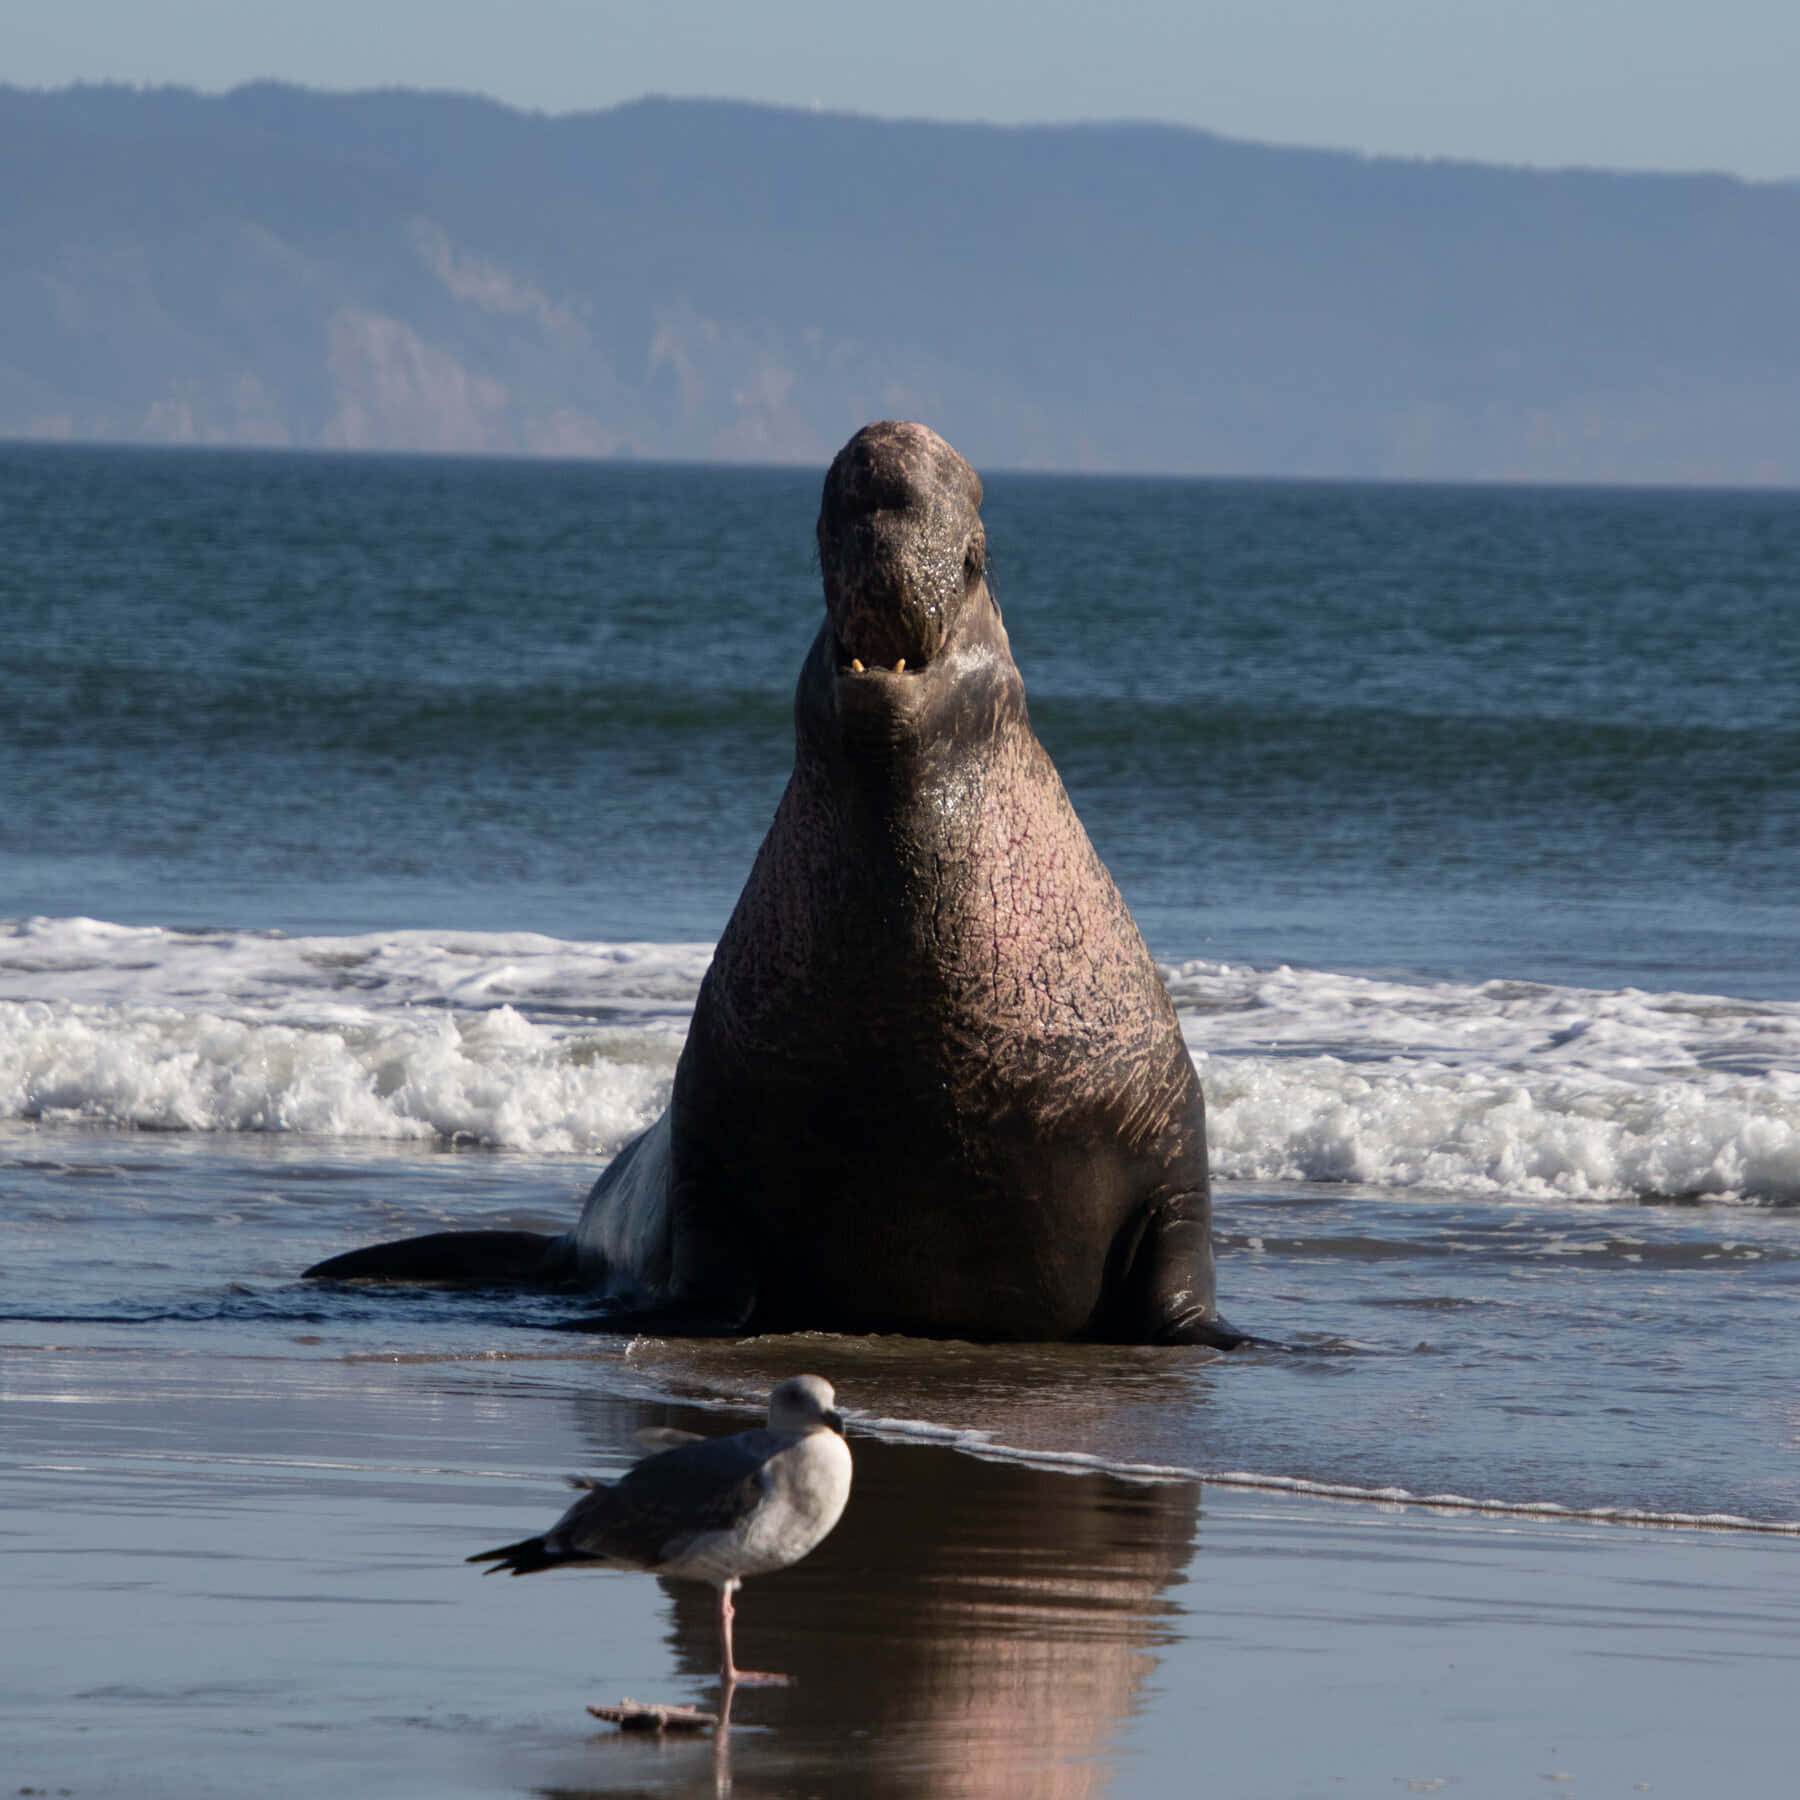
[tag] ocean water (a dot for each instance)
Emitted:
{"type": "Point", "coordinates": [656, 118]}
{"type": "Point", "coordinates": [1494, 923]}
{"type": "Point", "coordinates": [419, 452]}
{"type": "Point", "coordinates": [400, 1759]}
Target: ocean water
{"type": "Point", "coordinates": [369, 822]}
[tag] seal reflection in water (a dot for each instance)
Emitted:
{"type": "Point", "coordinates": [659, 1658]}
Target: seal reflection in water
{"type": "Point", "coordinates": [716, 1510]}
{"type": "Point", "coordinates": [973, 1630]}
{"type": "Point", "coordinates": [933, 1084]}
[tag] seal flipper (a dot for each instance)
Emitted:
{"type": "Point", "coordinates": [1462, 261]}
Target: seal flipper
{"type": "Point", "coordinates": [1216, 1333]}
{"type": "Point", "coordinates": [701, 1279]}
{"type": "Point", "coordinates": [1168, 1288]}
{"type": "Point", "coordinates": [459, 1258]}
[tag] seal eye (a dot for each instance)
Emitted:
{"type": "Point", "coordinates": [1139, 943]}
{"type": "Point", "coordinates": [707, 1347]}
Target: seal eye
{"type": "Point", "coordinates": [974, 561]}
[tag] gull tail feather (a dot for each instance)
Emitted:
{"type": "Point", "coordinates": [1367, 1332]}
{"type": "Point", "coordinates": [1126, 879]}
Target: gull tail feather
{"type": "Point", "coordinates": [523, 1558]}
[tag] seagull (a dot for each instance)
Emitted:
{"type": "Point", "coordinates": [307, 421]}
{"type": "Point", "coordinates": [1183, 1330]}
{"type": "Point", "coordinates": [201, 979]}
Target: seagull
{"type": "Point", "coordinates": [711, 1509]}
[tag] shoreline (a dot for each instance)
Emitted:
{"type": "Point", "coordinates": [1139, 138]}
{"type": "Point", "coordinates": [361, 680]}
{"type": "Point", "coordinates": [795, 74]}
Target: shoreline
{"type": "Point", "coordinates": [232, 1576]}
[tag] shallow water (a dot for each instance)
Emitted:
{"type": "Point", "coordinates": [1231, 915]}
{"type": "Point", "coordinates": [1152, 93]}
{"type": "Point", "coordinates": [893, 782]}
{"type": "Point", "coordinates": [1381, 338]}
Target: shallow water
{"type": "Point", "coordinates": [1591, 1357]}
{"type": "Point", "coordinates": [245, 1572]}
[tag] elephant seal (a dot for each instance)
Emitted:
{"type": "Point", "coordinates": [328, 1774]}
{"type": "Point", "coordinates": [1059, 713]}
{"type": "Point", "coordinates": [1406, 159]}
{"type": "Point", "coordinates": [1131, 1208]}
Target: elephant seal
{"type": "Point", "coordinates": [934, 1083]}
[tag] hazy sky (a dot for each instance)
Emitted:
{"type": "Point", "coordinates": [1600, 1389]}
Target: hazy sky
{"type": "Point", "coordinates": [1638, 84]}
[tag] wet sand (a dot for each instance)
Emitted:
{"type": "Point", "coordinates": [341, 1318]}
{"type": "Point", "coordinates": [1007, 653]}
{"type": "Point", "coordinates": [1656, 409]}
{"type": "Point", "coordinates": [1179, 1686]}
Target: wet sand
{"type": "Point", "coordinates": [235, 1575]}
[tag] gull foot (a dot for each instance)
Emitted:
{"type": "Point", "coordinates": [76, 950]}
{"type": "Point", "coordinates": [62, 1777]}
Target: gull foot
{"type": "Point", "coordinates": [634, 1715]}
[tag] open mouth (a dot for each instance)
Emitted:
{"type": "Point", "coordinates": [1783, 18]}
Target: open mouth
{"type": "Point", "coordinates": [877, 651]}
{"type": "Point", "coordinates": [856, 666]}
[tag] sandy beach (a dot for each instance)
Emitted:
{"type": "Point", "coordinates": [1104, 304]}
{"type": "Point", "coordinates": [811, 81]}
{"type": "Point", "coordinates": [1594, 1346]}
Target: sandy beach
{"type": "Point", "coordinates": [231, 1575]}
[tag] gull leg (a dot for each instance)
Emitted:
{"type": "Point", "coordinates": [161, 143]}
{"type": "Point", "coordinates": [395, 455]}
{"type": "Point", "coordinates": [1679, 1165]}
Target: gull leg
{"type": "Point", "coordinates": [730, 1675]}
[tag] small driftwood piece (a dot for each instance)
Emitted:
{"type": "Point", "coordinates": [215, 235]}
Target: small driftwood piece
{"type": "Point", "coordinates": [634, 1715]}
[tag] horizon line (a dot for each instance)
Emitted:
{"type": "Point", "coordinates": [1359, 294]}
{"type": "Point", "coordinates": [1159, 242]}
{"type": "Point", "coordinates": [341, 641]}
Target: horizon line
{"type": "Point", "coordinates": [819, 109]}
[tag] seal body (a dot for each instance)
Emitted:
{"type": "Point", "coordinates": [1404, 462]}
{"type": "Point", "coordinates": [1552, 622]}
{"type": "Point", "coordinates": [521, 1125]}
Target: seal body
{"type": "Point", "coordinates": [934, 1083]}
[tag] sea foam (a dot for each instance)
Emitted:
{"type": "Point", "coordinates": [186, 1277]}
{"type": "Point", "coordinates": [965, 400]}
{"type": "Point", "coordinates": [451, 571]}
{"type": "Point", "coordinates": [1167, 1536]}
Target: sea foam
{"type": "Point", "coordinates": [980, 1443]}
{"type": "Point", "coordinates": [1502, 1089]}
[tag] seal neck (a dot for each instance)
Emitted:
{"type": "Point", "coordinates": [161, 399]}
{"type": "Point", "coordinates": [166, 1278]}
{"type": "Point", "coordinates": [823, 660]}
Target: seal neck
{"type": "Point", "coordinates": [889, 742]}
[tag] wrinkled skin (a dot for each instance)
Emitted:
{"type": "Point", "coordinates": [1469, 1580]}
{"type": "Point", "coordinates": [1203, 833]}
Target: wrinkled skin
{"type": "Point", "coordinates": [933, 1083]}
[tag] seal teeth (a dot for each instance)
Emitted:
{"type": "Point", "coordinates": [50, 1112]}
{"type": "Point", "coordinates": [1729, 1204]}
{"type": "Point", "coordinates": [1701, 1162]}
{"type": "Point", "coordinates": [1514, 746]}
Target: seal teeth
{"type": "Point", "coordinates": [900, 666]}
{"type": "Point", "coordinates": [856, 664]}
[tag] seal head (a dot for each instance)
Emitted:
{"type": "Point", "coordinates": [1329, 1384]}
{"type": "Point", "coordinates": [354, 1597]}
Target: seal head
{"type": "Point", "coordinates": [901, 544]}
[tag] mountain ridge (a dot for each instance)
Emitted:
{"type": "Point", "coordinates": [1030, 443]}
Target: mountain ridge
{"type": "Point", "coordinates": [719, 280]}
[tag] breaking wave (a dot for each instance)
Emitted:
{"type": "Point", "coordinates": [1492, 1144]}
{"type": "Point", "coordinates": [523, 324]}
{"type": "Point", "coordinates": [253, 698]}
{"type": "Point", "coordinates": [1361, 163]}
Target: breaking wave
{"type": "Point", "coordinates": [1504, 1089]}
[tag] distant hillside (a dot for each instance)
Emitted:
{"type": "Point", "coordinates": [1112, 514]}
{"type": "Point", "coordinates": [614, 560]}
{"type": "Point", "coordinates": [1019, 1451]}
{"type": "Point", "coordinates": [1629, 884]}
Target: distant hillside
{"type": "Point", "coordinates": [693, 279]}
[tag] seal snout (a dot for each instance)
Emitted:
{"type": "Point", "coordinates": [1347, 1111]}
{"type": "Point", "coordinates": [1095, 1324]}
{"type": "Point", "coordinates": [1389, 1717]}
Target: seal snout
{"type": "Point", "coordinates": [900, 546]}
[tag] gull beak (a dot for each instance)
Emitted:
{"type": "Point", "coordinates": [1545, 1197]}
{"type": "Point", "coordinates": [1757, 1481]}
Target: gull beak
{"type": "Point", "coordinates": [836, 1422]}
